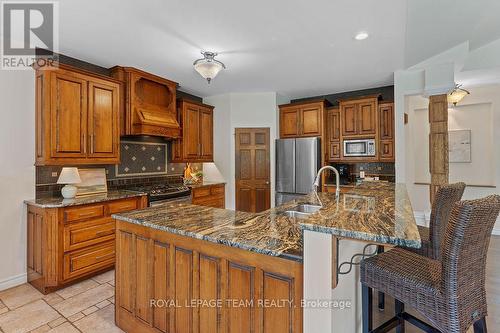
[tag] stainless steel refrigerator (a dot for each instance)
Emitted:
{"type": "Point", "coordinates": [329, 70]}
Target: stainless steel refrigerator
{"type": "Point", "coordinates": [297, 162]}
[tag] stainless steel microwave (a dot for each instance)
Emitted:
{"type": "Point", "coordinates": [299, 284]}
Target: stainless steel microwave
{"type": "Point", "coordinates": [362, 147]}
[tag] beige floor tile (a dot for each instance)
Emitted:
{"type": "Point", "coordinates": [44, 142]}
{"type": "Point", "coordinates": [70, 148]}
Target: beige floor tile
{"type": "Point", "coordinates": [64, 328]}
{"type": "Point", "coordinates": [42, 329]}
{"type": "Point", "coordinates": [100, 321]}
{"type": "Point", "coordinates": [75, 317]}
{"type": "Point", "coordinates": [20, 295]}
{"type": "Point", "coordinates": [38, 312]}
{"type": "Point", "coordinates": [103, 304]}
{"type": "Point", "coordinates": [57, 322]}
{"type": "Point", "coordinates": [105, 277]}
{"type": "Point", "coordinates": [52, 299]}
{"type": "Point", "coordinates": [76, 289]}
{"type": "Point", "coordinates": [112, 282]}
{"type": "Point", "coordinates": [84, 300]}
{"type": "Point", "coordinates": [3, 310]}
{"type": "Point", "coordinates": [112, 299]}
{"type": "Point", "coordinates": [90, 310]}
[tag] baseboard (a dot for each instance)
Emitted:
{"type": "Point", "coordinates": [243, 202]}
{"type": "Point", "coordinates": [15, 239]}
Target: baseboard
{"type": "Point", "coordinates": [496, 231]}
{"type": "Point", "coordinates": [13, 281]}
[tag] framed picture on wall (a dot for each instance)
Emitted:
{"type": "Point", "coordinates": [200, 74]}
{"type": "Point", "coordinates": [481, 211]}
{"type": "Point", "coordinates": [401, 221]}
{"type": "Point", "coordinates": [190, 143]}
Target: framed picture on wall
{"type": "Point", "coordinates": [459, 142]}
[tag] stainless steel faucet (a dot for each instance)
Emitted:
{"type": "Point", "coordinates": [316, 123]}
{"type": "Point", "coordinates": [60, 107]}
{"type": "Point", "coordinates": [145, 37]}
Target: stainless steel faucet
{"type": "Point", "coordinates": [337, 180]}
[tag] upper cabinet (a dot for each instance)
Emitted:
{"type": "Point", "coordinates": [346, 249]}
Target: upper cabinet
{"type": "Point", "coordinates": [302, 120]}
{"type": "Point", "coordinates": [386, 132]}
{"type": "Point", "coordinates": [333, 134]}
{"type": "Point", "coordinates": [149, 104]}
{"type": "Point", "coordinates": [359, 117]}
{"type": "Point", "coordinates": [77, 115]}
{"type": "Point", "coordinates": [196, 144]}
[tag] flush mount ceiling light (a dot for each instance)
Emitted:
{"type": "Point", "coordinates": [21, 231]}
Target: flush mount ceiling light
{"type": "Point", "coordinates": [457, 94]}
{"type": "Point", "coordinates": [208, 67]}
{"type": "Point", "coordinates": [362, 35]}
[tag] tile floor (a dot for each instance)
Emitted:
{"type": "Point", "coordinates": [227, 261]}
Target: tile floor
{"type": "Point", "coordinates": [88, 306]}
{"type": "Point", "coordinates": [85, 307]}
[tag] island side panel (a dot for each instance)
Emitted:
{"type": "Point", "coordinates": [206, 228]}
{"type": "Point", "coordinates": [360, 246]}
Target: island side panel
{"type": "Point", "coordinates": [172, 269]}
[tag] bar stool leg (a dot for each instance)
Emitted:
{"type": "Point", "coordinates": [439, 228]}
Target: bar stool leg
{"type": "Point", "coordinates": [480, 326]}
{"type": "Point", "coordinates": [381, 296]}
{"type": "Point", "coordinates": [399, 308]}
{"type": "Point", "coordinates": [367, 300]}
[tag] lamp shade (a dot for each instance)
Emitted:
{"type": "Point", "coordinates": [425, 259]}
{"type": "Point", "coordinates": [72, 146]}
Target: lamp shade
{"type": "Point", "coordinates": [69, 176]}
{"type": "Point", "coordinates": [208, 69]}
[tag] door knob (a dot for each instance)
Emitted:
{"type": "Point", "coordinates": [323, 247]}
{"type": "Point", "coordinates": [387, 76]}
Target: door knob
{"type": "Point", "coordinates": [267, 183]}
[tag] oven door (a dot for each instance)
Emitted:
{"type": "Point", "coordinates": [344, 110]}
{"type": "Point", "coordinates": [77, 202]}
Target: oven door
{"type": "Point", "coordinates": [355, 148]}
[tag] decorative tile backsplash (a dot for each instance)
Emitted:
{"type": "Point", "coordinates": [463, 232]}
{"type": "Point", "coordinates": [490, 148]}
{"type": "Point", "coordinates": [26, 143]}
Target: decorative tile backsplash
{"type": "Point", "coordinates": [142, 158]}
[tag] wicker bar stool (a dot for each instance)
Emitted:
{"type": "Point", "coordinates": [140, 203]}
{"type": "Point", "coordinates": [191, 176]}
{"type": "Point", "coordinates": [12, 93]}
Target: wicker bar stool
{"type": "Point", "coordinates": [446, 196]}
{"type": "Point", "coordinates": [448, 292]}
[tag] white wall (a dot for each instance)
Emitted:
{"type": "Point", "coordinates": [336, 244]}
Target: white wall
{"type": "Point", "coordinates": [479, 112]}
{"type": "Point", "coordinates": [17, 173]}
{"type": "Point", "coordinates": [240, 110]}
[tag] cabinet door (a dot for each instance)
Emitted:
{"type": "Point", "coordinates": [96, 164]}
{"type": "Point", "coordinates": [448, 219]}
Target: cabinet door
{"type": "Point", "coordinates": [68, 115]}
{"type": "Point", "coordinates": [289, 122]}
{"type": "Point", "coordinates": [386, 122]}
{"type": "Point", "coordinates": [103, 120]}
{"type": "Point", "coordinates": [387, 150]}
{"type": "Point", "coordinates": [191, 132]}
{"type": "Point", "coordinates": [206, 134]}
{"type": "Point", "coordinates": [333, 122]}
{"type": "Point", "coordinates": [310, 121]}
{"type": "Point", "coordinates": [349, 120]}
{"type": "Point", "coordinates": [334, 151]}
{"type": "Point", "coordinates": [367, 114]}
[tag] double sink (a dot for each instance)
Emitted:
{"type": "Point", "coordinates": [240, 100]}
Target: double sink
{"type": "Point", "coordinates": [302, 211]}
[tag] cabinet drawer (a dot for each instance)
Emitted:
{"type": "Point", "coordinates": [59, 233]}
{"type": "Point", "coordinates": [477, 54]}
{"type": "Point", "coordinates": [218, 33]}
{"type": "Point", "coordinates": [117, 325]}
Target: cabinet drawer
{"type": "Point", "coordinates": [83, 234]}
{"type": "Point", "coordinates": [86, 261]}
{"type": "Point", "coordinates": [216, 202]}
{"type": "Point", "coordinates": [122, 206]}
{"type": "Point", "coordinates": [217, 190]}
{"type": "Point", "coordinates": [201, 192]}
{"type": "Point", "coordinates": [83, 213]}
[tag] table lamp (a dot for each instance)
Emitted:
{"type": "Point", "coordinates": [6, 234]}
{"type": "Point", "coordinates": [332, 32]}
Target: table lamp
{"type": "Point", "coordinates": [69, 176]}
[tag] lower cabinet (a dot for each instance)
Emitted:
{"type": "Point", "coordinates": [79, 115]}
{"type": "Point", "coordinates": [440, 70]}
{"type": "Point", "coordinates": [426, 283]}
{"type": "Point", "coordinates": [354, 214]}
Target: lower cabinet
{"type": "Point", "coordinates": [72, 243]}
{"type": "Point", "coordinates": [171, 283]}
{"type": "Point", "coordinates": [209, 195]}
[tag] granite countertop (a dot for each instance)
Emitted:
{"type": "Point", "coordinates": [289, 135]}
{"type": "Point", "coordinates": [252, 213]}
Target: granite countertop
{"type": "Point", "coordinates": [373, 212]}
{"type": "Point", "coordinates": [59, 202]}
{"type": "Point", "coordinates": [205, 183]}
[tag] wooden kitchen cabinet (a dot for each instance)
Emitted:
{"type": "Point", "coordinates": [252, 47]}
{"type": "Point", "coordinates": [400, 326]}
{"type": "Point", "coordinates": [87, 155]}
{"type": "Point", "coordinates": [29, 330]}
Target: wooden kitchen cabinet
{"type": "Point", "coordinates": [333, 131]}
{"type": "Point", "coordinates": [359, 116]}
{"type": "Point", "coordinates": [196, 144]}
{"type": "Point", "coordinates": [76, 117]}
{"type": "Point", "coordinates": [302, 119]}
{"type": "Point", "coordinates": [68, 244]}
{"type": "Point", "coordinates": [386, 132]}
{"type": "Point", "coordinates": [209, 195]}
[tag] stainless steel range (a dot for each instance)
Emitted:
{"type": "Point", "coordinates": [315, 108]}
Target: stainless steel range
{"type": "Point", "coordinates": [165, 193]}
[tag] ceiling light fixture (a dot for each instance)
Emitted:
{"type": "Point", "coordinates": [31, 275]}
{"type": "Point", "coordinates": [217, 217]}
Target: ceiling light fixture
{"type": "Point", "coordinates": [208, 67]}
{"type": "Point", "coordinates": [457, 94]}
{"type": "Point", "coordinates": [362, 35]}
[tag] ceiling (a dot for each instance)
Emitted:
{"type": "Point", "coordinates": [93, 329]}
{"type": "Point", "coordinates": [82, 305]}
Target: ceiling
{"type": "Point", "coordinates": [296, 48]}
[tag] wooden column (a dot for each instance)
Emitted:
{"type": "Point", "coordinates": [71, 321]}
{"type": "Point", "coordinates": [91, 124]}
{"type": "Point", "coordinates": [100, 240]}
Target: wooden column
{"type": "Point", "coordinates": [438, 142]}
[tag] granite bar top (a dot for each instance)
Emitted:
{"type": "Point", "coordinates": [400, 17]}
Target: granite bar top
{"type": "Point", "coordinates": [372, 212]}
{"type": "Point", "coordinates": [59, 202]}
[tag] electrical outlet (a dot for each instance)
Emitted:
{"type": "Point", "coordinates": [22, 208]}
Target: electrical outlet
{"type": "Point", "coordinates": [361, 168]}
{"type": "Point", "coordinates": [54, 174]}
{"type": "Point", "coordinates": [379, 168]}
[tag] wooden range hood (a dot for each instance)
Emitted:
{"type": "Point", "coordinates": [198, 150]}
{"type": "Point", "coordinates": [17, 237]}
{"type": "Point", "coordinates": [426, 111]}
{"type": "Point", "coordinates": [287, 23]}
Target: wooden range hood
{"type": "Point", "coordinates": [148, 104]}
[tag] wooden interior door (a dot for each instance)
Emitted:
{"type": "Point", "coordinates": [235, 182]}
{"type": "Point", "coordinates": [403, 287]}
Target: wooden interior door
{"type": "Point", "coordinates": [103, 120]}
{"type": "Point", "coordinates": [68, 115]}
{"type": "Point", "coordinates": [253, 189]}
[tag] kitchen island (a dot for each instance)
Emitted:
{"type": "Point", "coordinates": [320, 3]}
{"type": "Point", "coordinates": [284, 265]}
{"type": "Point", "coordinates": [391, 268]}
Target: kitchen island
{"type": "Point", "coordinates": [185, 268]}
